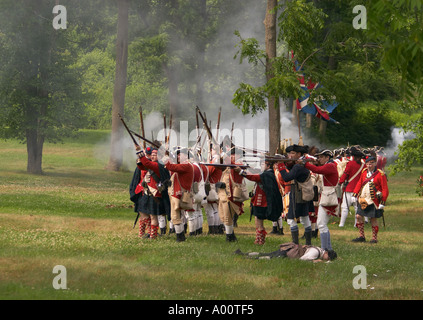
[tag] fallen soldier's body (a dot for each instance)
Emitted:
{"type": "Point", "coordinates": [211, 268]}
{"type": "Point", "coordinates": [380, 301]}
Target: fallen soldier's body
{"type": "Point", "coordinates": [294, 251]}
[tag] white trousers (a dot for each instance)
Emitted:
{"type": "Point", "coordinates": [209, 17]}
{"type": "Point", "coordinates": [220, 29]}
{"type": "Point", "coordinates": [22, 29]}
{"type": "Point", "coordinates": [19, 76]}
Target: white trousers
{"type": "Point", "coordinates": [212, 214]}
{"type": "Point", "coordinates": [345, 207]}
{"type": "Point", "coordinates": [322, 220]}
{"type": "Point", "coordinates": [305, 221]}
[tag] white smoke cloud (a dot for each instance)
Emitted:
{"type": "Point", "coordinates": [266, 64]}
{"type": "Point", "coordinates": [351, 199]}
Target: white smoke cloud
{"type": "Point", "coordinates": [397, 138]}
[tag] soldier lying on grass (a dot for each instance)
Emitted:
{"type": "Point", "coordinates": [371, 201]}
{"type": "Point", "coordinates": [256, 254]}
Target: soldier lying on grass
{"type": "Point", "coordinates": [294, 251]}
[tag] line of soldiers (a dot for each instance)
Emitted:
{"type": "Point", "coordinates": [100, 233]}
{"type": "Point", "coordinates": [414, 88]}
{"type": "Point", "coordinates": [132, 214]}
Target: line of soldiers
{"type": "Point", "coordinates": [178, 188]}
{"type": "Point", "coordinates": [302, 185]}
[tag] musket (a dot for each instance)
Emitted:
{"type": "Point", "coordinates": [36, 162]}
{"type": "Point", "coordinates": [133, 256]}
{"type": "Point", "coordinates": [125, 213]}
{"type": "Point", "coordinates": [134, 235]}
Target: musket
{"type": "Point", "coordinates": [144, 139]}
{"type": "Point", "coordinates": [206, 126]}
{"type": "Point", "coordinates": [254, 151]}
{"type": "Point", "coordinates": [164, 127]}
{"type": "Point", "coordinates": [197, 126]}
{"type": "Point", "coordinates": [129, 131]}
{"type": "Point", "coordinates": [218, 124]}
{"type": "Point", "coordinates": [232, 132]}
{"type": "Point", "coordinates": [383, 218]}
{"type": "Point", "coordinates": [170, 130]}
{"type": "Point", "coordinates": [222, 165]}
{"type": "Point", "coordinates": [142, 126]}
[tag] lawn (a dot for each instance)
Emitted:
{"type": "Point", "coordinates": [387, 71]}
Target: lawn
{"type": "Point", "coordinates": [79, 216]}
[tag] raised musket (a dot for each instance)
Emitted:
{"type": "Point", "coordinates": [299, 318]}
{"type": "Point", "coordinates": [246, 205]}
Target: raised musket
{"type": "Point", "coordinates": [129, 131]}
{"type": "Point", "coordinates": [144, 139]}
{"type": "Point", "coordinates": [142, 126]}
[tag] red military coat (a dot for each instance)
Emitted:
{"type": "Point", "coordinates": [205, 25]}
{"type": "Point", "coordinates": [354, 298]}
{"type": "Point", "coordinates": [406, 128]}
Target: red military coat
{"type": "Point", "coordinates": [351, 170]}
{"type": "Point", "coordinates": [259, 199]}
{"type": "Point", "coordinates": [146, 164]}
{"type": "Point", "coordinates": [330, 178]}
{"type": "Point", "coordinates": [380, 182]}
{"type": "Point", "coordinates": [185, 175]}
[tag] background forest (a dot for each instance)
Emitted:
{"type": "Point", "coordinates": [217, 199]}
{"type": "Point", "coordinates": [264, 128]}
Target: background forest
{"type": "Point", "coordinates": [210, 53]}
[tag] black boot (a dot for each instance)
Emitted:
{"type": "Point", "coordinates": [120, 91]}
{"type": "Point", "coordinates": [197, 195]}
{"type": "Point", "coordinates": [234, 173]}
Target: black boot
{"type": "Point", "coordinates": [274, 230]}
{"type": "Point", "coordinates": [163, 231]}
{"type": "Point", "coordinates": [221, 229]}
{"type": "Point", "coordinates": [294, 235]}
{"type": "Point", "coordinates": [307, 236]}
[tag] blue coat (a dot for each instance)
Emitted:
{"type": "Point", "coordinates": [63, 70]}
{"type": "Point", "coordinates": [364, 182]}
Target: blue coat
{"type": "Point", "coordinates": [298, 173]}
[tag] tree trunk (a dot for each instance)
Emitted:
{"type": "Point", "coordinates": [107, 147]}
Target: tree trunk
{"type": "Point", "coordinates": [35, 114]}
{"type": "Point", "coordinates": [34, 148]}
{"type": "Point", "coordinates": [273, 102]}
{"type": "Point", "coordinates": [116, 150]}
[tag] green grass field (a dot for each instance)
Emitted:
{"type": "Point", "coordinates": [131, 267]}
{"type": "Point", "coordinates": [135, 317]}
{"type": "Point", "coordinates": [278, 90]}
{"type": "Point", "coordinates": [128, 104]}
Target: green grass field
{"type": "Point", "coordinates": [78, 215]}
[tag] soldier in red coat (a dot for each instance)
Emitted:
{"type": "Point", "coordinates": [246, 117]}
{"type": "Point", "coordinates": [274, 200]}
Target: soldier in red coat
{"type": "Point", "coordinates": [284, 189]}
{"type": "Point", "coordinates": [328, 200]}
{"type": "Point", "coordinates": [349, 179]}
{"type": "Point", "coordinates": [371, 192]}
{"type": "Point", "coordinates": [155, 200]}
{"type": "Point", "coordinates": [267, 200]}
{"type": "Point", "coordinates": [183, 175]}
{"type": "Point", "coordinates": [230, 205]}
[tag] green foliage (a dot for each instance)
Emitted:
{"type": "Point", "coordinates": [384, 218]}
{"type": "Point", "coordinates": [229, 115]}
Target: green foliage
{"type": "Point", "coordinates": [250, 99]}
{"type": "Point", "coordinates": [39, 83]}
{"type": "Point", "coordinates": [409, 152]}
{"type": "Point", "coordinates": [299, 22]}
{"type": "Point", "coordinates": [398, 27]}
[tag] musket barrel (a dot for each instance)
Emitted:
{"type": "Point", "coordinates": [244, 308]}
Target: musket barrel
{"type": "Point", "coordinates": [127, 129]}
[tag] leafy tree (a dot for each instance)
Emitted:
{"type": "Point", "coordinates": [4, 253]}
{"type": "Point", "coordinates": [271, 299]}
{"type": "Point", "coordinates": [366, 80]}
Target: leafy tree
{"type": "Point", "coordinates": [397, 27]}
{"type": "Point", "coordinates": [330, 51]}
{"type": "Point", "coordinates": [39, 84]}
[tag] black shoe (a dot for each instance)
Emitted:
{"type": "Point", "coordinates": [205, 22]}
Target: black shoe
{"type": "Point", "coordinates": [359, 239]}
{"type": "Point", "coordinates": [274, 230]}
{"type": "Point", "coordinates": [162, 231]}
{"type": "Point", "coordinates": [373, 241]}
{"type": "Point", "coordinates": [314, 233]}
{"type": "Point", "coordinates": [180, 237]}
{"type": "Point", "coordinates": [231, 237]}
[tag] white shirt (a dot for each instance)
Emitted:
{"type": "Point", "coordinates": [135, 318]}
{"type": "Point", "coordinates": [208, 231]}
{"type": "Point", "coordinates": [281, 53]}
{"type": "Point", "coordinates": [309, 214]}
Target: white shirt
{"type": "Point", "coordinates": [312, 253]}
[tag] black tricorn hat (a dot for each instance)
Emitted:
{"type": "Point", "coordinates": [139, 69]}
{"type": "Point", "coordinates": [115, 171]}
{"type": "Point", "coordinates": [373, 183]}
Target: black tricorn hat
{"type": "Point", "coordinates": [354, 151]}
{"type": "Point", "coordinates": [325, 152]}
{"type": "Point", "coordinates": [297, 148]}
